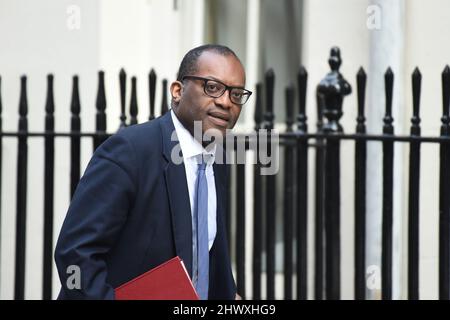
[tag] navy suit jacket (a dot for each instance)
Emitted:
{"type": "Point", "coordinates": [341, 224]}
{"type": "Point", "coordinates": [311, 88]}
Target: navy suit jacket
{"type": "Point", "coordinates": [131, 212]}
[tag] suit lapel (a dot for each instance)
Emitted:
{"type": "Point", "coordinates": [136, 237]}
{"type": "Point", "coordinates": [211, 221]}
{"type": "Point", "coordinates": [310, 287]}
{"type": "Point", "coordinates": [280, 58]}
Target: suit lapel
{"type": "Point", "coordinates": [177, 190]}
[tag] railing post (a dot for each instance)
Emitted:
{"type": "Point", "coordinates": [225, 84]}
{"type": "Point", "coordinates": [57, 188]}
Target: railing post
{"type": "Point", "coordinates": [332, 89]}
{"type": "Point", "coordinates": [75, 139]}
{"type": "Point", "coordinates": [444, 192]}
{"type": "Point", "coordinates": [289, 169]}
{"type": "Point", "coordinates": [302, 190]}
{"type": "Point", "coordinates": [164, 104]}
{"type": "Point", "coordinates": [414, 193]}
{"type": "Point", "coordinates": [101, 115]}
{"type": "Point", "coordinates": [257, 202]}
{"type": "Point", "coordinates": [123, 94]}
{"type": "Point", "coordinates": [133, 103]}
{"type": "Point", "coordinates": [21, 220]}
{"type": "Point", "coordinates": [388, 182]}
{"type": "Point", "coordinates": [270, 190]}
{"type": "Point", "coordinates": [319, 232]}
{"type": "Point", "coordinates": [151, 93]}
{"type": "Point", "coordinates": [360, 192]}
{"type": "Point", "coordinates": [240, 219]}
{"type": "Point", "coordinates": [48, 187]}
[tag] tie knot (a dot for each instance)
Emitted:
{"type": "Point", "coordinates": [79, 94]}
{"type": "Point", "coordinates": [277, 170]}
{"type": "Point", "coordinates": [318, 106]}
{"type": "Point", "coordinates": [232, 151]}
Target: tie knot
{"type": "Point", "coordinates": [201, 161]}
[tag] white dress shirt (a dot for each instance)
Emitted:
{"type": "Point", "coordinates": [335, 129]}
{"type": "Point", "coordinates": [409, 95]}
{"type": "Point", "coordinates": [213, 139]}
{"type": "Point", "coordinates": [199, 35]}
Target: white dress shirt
{"type": "Point", "coordinates": [192, 150]}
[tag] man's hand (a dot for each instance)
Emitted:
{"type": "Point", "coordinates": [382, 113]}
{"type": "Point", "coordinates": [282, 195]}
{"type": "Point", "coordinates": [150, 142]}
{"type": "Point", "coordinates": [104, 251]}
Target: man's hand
{"type": "Point", "coordinates": [237, 297]}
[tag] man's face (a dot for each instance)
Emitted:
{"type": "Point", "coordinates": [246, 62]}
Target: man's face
{"type": "Point", "coordinates": [191, 103]}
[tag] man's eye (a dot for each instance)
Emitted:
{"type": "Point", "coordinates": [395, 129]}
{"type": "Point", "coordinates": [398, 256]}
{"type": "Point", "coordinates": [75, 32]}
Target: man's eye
{"type": "Point", "coordinates": [237, 94]}
{"type": "Point", "coordinates": [212, 87]}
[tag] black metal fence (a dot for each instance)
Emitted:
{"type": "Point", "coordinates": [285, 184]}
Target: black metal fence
{"type": "Point", "coordinates": [327, 141]}
{"type": "Point", "coordinates": [295, 143]}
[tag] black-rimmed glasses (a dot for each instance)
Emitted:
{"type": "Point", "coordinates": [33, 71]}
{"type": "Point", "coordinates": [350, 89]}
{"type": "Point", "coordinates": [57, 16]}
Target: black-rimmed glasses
{"type": "Point", "coordinates": [216, 89]}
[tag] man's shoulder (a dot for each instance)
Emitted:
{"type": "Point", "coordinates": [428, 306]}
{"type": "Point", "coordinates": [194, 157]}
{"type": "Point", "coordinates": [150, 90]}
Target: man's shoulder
{"type": "Point", "coordinates": [139, 131]}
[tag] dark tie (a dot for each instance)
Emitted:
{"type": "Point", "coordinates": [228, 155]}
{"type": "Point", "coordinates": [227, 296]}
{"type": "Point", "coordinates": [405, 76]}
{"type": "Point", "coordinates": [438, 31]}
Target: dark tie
{"type": "Point", "coordinates": [201, 215]}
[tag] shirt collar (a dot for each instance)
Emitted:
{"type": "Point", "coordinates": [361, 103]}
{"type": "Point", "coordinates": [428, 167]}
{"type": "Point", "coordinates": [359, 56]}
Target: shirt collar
{"type": "Point", "coordinates": [190, 147]}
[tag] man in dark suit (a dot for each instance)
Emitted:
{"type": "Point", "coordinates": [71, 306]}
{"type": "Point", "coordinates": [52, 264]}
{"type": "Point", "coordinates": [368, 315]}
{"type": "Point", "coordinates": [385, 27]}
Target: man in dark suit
{"type": "Point", "coordinates": [136, 206]}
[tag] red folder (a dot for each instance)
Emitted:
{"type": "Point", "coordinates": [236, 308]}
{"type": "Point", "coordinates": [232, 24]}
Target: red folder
{"type": "Point", "coordinates": [168, 281]}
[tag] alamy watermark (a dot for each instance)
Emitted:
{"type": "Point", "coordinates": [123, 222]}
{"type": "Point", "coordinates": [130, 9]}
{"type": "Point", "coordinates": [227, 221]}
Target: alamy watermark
{"type": "Point", "coordinates": [73, 21]}
{"type": "Point", "coordinates": [373, 281]}
{"type": "Point", "coordinates": [265, 143]}
{"type": "Point", "coordinates": [373, 21]}
{"type": "Point", "coordinates": [74, 279]}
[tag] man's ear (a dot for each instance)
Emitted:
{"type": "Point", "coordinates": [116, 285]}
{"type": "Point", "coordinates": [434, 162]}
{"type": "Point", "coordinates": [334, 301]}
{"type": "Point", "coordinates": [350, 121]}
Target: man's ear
{"type": "Point", "coordinates": [176, 90]}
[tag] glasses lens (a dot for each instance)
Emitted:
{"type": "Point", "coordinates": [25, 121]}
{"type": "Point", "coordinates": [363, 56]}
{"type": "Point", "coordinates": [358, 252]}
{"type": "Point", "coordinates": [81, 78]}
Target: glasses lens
{"type": "Point", "coordinates": [214, 89]}
{"type": "Point", "coordinates": [239, 96]}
